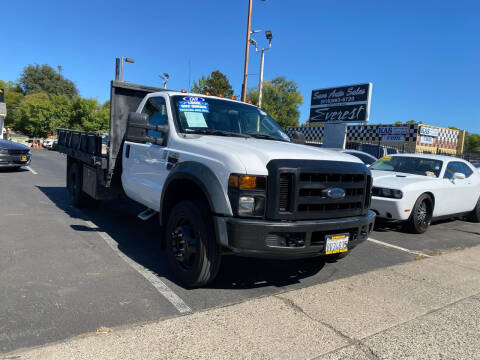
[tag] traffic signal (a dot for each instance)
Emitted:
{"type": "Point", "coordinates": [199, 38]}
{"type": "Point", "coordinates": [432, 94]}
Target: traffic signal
{"type": "Point", "coordinates": [2, 97]}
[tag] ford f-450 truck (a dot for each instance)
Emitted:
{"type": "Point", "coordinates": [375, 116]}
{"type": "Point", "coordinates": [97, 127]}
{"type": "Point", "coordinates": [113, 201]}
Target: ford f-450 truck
{"type": "Point", "coordinates": [223, 177]}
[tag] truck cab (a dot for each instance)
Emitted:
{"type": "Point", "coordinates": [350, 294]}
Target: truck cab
{"type": "Point", "coordinates": [224, 178]}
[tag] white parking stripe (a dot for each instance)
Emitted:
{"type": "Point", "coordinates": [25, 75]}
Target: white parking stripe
{"type": "Point", "coordinates": [157, 283]}
{"type": "Point", "coordinates": [31, 170]}
{"type": "Point", "coordinates": [398, 247]}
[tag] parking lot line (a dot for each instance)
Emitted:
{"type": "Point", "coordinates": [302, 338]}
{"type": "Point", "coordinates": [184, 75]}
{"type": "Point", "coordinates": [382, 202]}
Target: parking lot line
{"type": "Point", "coordinates": [398, 247]}
{"type": "Point", "coordinates": [157, 283]}
{"type": "Point", "coordinates": [31, 170]}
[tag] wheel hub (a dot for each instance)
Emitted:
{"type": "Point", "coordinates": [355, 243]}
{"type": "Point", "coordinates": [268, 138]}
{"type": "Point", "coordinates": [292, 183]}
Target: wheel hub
{"type": "Point", "coordinates": [184, 244]}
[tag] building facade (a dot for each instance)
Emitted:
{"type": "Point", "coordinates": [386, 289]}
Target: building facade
{"type": "Point", "coordinates": [412, 138]}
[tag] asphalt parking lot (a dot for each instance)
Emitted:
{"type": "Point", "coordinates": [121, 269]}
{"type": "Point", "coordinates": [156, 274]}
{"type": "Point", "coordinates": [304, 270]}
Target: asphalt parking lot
{"type": "Point", "coordinates": [65, 272]}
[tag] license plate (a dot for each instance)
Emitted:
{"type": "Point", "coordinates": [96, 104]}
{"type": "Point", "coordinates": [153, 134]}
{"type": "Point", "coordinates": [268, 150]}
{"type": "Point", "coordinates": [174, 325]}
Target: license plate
{"type": "Point", "coordinates": [24, 158]}
{"type": "Point", "coordinates": [336, 243]}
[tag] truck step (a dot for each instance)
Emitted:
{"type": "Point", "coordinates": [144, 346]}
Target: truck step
{"type": "Point", "coordinates": [146, 214]}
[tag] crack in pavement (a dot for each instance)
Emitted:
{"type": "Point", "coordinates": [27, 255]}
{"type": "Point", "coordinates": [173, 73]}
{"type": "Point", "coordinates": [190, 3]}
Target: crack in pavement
{"type": "Point", "coordinates": [351, 341]}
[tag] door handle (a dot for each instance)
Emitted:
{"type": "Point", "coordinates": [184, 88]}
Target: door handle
{"type": "Point", "coordinates": [127, 151]}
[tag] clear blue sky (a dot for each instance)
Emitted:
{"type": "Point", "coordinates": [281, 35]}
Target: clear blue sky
{"type": "Point", "coordinates": [422, 56]}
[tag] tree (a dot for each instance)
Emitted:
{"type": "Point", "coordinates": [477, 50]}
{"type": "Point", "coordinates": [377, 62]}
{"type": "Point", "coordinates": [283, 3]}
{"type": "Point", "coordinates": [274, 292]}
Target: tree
{"type": "Point", "coordinates": [44, 78]}
{"type": "Point", "coordinates": [280, 99]}
{"type": "Point", "coordinates": [472, 142]}
{"type": "Point", "coordinates": [87, 114]}
{"type": "Point", "coordinates": [215, 83]}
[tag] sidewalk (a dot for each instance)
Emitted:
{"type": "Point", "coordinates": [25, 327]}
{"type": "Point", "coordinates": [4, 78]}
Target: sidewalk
{"type": "Point", "coordinates": [425, 309]}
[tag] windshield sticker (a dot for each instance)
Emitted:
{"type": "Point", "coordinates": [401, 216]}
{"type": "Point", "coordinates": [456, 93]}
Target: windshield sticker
{"type": "Point", "coordinates": [195, 120]}
{"type": "Point", "coordinates": [193, 104]}
{"type": "Point", "coordinates": [385, 158]}
{"type": "Point", "coordinates": [430, 173]}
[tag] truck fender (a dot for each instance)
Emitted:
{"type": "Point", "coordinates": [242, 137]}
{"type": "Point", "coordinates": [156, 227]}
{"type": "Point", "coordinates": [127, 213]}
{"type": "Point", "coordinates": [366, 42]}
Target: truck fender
{"type": "Point", "coordinates": [205, 178]}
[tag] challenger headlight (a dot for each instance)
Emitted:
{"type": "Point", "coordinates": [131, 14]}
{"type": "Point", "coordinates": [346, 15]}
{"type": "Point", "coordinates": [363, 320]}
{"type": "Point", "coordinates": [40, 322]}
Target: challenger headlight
{"type": "Point", "coordinates": [388, 193]}
{"type": "Point", "coordinates": [247, 195]}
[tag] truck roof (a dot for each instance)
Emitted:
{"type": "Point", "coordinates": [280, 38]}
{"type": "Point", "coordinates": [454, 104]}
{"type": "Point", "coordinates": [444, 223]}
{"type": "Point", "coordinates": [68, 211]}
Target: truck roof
{"type": "Point", "coordinates": [174, 92]}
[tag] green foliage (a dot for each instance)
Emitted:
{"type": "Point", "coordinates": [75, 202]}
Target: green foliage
{"type": "Point", "coordinates": [472, 142]}
{"type": "Point", "coordinates": [87, 114]}
{"type": "Point", "coordinates": [280, 100]}
{"type": "Point", "coordinates": [44, 78]}
{"type": "Point", "coordinates": [216, 83]}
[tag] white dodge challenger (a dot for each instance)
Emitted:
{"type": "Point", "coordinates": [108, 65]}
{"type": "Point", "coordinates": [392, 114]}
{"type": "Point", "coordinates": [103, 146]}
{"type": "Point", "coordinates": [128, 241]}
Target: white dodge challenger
{"type": "Point", "coordinates": [416, 188]}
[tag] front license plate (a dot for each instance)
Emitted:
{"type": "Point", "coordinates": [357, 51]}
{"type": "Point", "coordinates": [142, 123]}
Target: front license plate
{"type": "Point", "coordinates": [24, 158]}
{"type": "Point", "coordinates": [336, 243]}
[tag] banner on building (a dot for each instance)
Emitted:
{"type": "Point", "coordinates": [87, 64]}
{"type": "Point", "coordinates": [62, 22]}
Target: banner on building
{"type": "Point", "coordinates": [395, 138]}
{"type": "Point", "coordinates": [426, 140]}
{"type": "Point", "coordinates": [429, 131]}
{"type": "Point", "coordinates": [341, 104]}
{"type": "Point", "coordinates": [392, 130]}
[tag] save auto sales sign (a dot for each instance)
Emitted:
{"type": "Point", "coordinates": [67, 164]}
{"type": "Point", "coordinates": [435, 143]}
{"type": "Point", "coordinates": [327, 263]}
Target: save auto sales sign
{"type": "Point", "coordinates": [341, 104]}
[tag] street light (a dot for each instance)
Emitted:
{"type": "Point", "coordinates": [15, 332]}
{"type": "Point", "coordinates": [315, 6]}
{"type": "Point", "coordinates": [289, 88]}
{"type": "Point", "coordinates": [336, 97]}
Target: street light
{"type": "Point", "coordinates": [269, 36]}
{"type": "Point", "coordinates": [123, 59]}
{"type": "Point", "coordinates": [247, 48]}
{"type": "Point", "coordinates": [165, 77]}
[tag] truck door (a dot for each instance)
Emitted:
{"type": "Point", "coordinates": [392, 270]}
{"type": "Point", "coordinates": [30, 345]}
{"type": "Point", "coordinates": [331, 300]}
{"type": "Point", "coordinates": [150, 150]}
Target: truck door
{"type": "Point", "coordinates": [145, 164]}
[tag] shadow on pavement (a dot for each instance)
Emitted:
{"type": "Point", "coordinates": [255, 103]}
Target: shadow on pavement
{"type": "Point", "coordinates": [140, 240]}
{"type": "Point", "coordinates": [12, 170]}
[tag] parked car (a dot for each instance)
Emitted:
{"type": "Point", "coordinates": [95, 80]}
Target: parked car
{"type": "Point", "coordinates": [222, 176]}
{"type": "Point", "coordinates": [366, 158]}
{"type": "Point", "coordinates": [14, 155]}
{"type": "Point", "coordinates": [49, 144]}
{"type": "Point", "coordinates": [416, 188]}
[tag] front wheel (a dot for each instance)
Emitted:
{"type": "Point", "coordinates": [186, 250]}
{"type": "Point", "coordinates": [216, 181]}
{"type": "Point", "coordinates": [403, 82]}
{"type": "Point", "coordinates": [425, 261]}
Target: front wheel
{"type": "Point", "coordinates": [192, 249]}
{"type": "Point", "coordinates": [421, 216]}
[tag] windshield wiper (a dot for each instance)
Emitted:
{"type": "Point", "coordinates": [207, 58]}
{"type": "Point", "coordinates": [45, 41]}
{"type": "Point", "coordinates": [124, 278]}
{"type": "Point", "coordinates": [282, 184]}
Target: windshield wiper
{"type": "Point", "coordinates": [265, 136]}
{"type": "Point", "coordinates": [215, 132]}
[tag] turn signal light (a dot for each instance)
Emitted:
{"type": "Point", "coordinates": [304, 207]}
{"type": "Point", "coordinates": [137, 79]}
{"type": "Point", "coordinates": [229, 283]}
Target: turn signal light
{"type": "Point", "coordinates": [247, 182]}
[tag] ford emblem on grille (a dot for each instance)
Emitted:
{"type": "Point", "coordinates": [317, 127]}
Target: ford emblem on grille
{"type": "Point", "coordinates": [336, 193]}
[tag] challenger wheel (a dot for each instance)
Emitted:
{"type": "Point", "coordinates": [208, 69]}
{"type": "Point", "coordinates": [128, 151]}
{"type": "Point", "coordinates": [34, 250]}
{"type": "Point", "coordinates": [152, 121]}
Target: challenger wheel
{"type": "Point", "coordinates": [421, 216]}
{"type": "Point", "coordinates": [191, 245]}
{"type": "Point", "coordinates": [475, 214]}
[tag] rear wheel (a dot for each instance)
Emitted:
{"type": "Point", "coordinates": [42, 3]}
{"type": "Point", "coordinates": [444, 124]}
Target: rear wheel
{"type": "Point", "coordinates": [475, 214]}
{"type": "Point", "coordinates": [74, 186]}
{"type": "Point", "coordinates": [421, 216]}
{"type": "Point", "coordinates": [192, 249]}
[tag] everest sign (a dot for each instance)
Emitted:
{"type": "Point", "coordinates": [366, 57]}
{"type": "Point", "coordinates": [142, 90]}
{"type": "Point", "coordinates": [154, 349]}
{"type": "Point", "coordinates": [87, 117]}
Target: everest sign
{"type": "Point", "coordinates": [341, 104]}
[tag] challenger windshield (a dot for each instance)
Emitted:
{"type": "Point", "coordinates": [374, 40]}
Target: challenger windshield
{"type": "Point", "coordinates": [202, 115]}
{"type": "Point", "coordinates": [409, 164]}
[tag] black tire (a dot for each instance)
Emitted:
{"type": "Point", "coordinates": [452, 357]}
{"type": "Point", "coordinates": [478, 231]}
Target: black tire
{"type": "Point", "coordinates": [191, 245]}
{"type": "Point", "coordinates": [421, 215]}
{"type": "Point", "coordinates": [475, 214]}
{"type": "Point", "coordinates": [74, 185]}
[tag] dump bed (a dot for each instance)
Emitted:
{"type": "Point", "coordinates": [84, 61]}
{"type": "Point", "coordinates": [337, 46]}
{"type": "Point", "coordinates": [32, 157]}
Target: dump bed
{"type": "Point", "coordinates": [87, 146]}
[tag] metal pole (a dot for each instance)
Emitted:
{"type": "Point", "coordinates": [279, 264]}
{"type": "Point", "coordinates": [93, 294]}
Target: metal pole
{"type": "Point", "coordinates": [260, 84]}
{"type": "Point", "coordinates": [117, 69]}
{"type": "Point", "coordinates": [247, 48]}
{"type": "Point", "coordinates": [121, 69]}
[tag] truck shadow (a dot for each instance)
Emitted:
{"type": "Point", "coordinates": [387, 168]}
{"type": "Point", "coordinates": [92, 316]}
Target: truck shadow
{"type": "Point", "coordinates": [141, 242]}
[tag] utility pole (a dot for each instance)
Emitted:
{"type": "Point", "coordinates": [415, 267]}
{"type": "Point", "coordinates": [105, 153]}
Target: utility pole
{"type": "Point", "coordinates": [122, 60]}
{"type": "Point", "coordinates": [269, 36]}
{"type": "Point", "coordinates": [247, 48]}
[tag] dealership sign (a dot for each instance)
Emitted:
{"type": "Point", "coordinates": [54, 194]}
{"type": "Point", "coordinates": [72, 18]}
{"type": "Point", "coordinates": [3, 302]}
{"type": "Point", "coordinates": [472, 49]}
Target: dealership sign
{"type": "Point", "coordinates": [392, 130]}
{"type": "Point", "coordinates": [426, 140]}
{"type": "Point", "coordinates": [341, 104]}
{"type": "Point", "coordinates": [395, 138]}
{"type": "Point", "coordinates": [429, 131]}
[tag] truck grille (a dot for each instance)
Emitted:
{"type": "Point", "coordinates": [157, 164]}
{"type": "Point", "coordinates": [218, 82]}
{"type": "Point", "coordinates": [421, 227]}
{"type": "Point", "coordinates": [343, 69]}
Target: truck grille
{"type": "Point", "coordinates": [301, 192]}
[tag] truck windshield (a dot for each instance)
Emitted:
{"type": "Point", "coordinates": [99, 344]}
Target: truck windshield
{"type": "Point", "coordinates": [202, 115]}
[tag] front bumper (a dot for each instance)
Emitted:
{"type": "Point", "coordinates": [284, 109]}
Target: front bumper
{"type": "Point", "coordinates": [390, 209]}
{"type": "Point", "coordinates": [7, 160]}
{"type": "Point", "coordinates": [259, 238]}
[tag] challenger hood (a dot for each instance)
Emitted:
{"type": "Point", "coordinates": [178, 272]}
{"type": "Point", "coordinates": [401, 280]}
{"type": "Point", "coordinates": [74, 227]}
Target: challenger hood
{"type": "Point", "coordinates": [255, 154]}
{"type": "Point", "coordinates": [397, 180]}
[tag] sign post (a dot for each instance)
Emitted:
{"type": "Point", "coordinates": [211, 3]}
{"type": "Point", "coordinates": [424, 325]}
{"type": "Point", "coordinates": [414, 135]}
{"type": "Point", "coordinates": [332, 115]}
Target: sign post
{"type": "Point", "coordinates": [338, 106]}
{"type": "Point", "coordinates": [3, 111]}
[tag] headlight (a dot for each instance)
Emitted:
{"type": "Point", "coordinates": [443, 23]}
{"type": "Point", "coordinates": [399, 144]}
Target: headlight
{"type": "Point", "coordinates": [388, 193]}
{"type": "Point", "coordinates": [247, 195]}
{"type": "Point", "coordinates": [3, 151]}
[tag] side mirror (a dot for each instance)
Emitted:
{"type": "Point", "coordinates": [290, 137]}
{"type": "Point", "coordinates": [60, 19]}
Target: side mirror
{"type": "Point", "coordinates": [137, 129]}
{"type": "Point", "coordinates": [458, 176]}
{"type": "Point", "coordinates": [298, 138]}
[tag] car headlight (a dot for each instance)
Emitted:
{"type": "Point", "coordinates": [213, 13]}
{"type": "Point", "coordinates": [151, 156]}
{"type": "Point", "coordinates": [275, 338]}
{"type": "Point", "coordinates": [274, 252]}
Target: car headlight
{"type": "Point", "coordinates": [388, 193]}
{"type": "Point", "coordinates": [3, 151]}
{"type": "Point", "coordinates": [247, 195]}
